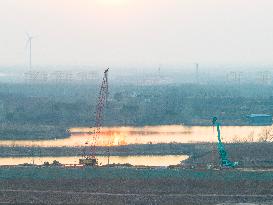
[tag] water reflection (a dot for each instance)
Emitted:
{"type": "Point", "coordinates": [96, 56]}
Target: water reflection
{"type": "Point", "coordinates": [153, 160]}
{"type": "Point", "coordinates": [113, 136]}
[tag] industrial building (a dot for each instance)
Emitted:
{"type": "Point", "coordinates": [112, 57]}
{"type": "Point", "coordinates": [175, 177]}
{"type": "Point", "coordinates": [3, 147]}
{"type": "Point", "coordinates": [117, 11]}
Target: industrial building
{"type": "Point", "coordinates": [259, 119]}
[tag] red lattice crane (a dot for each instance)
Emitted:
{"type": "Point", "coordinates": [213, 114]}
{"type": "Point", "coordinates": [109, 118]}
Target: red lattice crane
{"type": "Point", "coordinates": [89, 158]}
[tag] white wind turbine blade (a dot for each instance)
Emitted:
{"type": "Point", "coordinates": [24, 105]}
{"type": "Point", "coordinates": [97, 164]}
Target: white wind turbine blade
{"type": "Point", "coordinates": [28, 40]}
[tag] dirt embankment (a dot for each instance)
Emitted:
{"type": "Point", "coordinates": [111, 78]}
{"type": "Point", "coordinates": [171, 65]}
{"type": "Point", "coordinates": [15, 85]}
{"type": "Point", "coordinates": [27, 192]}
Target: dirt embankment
{"type": "Point", "coordinates": [249, 155]}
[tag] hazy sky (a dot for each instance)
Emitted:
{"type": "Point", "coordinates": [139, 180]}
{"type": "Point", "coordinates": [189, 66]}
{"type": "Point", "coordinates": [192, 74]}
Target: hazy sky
{"type": "Point", "coordinates": [123, 32]}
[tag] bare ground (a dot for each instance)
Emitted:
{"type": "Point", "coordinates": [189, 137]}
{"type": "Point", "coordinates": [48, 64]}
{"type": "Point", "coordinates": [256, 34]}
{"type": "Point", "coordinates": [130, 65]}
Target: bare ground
{"type": "Point", "coordinates": [136, 189]}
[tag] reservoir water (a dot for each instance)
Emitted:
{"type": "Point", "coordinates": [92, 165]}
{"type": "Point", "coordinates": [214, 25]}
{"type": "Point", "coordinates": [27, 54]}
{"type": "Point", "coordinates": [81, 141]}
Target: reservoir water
{"type": "Point", "coordinates": [114, 136]}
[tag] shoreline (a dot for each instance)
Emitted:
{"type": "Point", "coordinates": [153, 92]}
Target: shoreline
{"type": "Point", "coordinates": [249, 155]}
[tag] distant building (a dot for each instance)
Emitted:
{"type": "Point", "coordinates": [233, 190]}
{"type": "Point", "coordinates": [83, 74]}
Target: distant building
{"type": "Point", "coordinates": [259, 119]}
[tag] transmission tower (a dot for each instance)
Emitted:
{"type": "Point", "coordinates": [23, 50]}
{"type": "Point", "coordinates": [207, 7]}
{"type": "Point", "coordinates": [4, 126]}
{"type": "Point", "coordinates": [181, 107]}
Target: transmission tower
{"type": "Point", "coordinates": [90, 158]}
{"type": "Point", "coordinates": [197, 73]}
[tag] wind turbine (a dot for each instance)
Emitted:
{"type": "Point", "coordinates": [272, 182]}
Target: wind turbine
{"type": "Point", "coordinates": [29, 42]}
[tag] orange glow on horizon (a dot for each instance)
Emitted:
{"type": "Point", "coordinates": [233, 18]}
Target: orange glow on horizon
{"type": "Point", "coordinates": [105, 138]}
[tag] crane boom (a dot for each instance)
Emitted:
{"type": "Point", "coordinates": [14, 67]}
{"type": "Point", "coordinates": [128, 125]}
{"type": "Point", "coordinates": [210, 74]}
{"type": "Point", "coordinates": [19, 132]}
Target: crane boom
{"type": "Point", "coordinates": [90, 158]}
{"type": "Point", "coordinates": [103, 95]}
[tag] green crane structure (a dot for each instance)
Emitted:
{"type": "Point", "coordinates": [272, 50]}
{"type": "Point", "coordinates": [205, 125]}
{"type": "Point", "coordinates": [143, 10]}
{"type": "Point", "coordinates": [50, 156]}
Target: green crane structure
{"type": "Point", "coordinates": [225, 162]}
